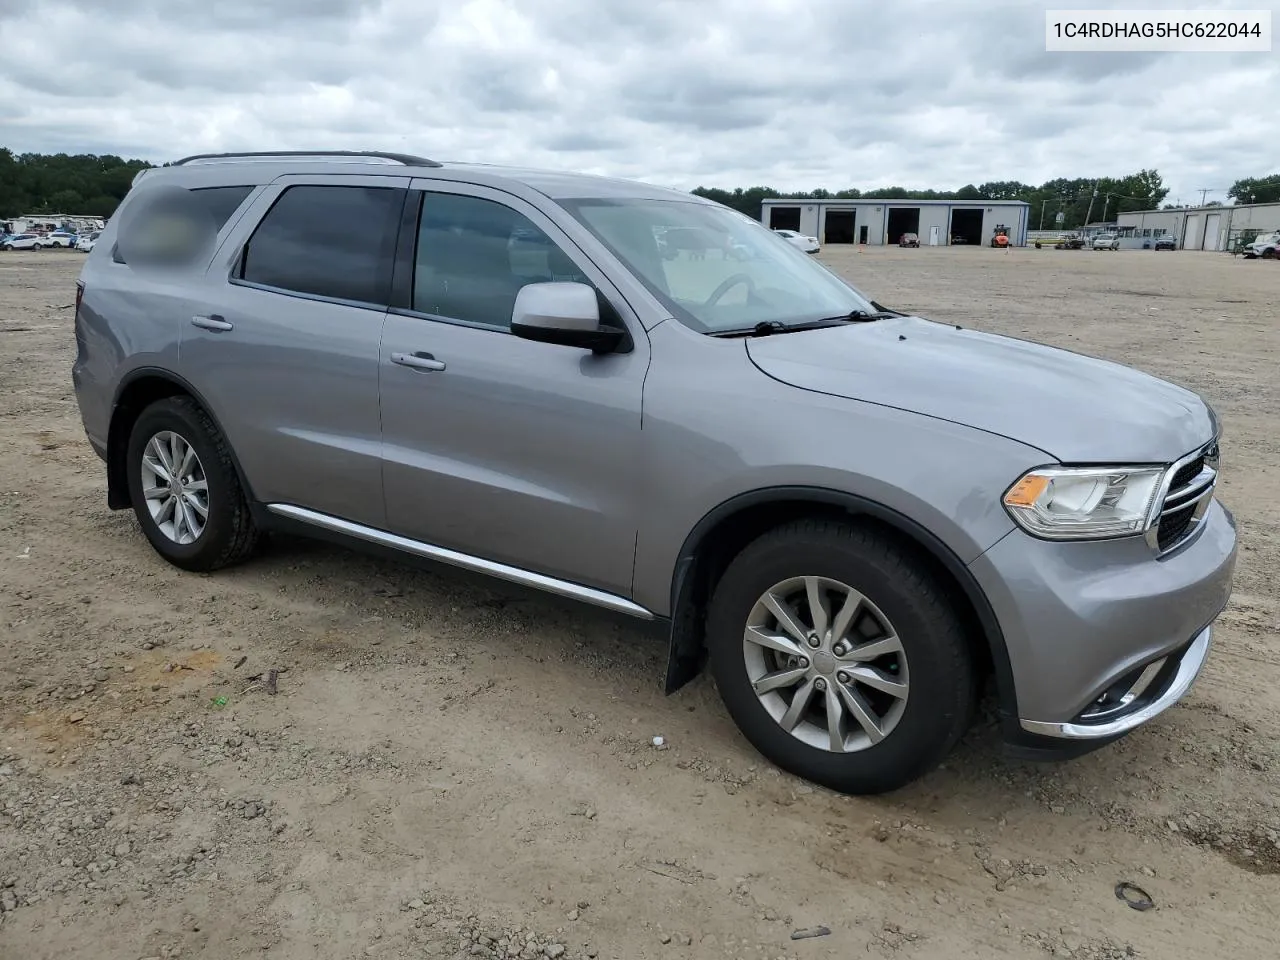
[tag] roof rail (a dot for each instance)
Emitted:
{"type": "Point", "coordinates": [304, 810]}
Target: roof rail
{"type": "Point", "coordinates": [357, 156]}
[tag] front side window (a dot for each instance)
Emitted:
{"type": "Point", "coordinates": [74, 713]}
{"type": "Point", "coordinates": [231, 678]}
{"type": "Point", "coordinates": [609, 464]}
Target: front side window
{"type": "Point", "coordinates": [474, 255]}
{"type": "Point", "coordinates": [327, 241]}
{"type": "Point", "coordinates": [715, 269]}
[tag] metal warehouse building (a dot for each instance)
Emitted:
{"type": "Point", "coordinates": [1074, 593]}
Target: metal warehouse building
{"type": "Point", "coordinates": [876, 222]}
{"type": "Point", "coordinates": [1201, 228]}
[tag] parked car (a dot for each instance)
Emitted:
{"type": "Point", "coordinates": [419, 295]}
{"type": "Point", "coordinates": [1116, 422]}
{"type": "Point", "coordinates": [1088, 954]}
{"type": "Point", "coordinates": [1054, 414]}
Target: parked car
{"type": "Point", "coordinates": [800, 241]}
{"type": "Point", "coordinates": [1106, 241]}
{"type": "Point", "coordinates": [1166, 242]}
{"type": "Point", "coordinates": [60, 238]}
{"type": "Point", "coordinates": [86, 242]}
{"type": "Point", "coordinates": [798, 482]}
{"type": "Point", "coordinates": [1268, 247]}
{"type": "Point", "coordinates": [23, 241]}
{"type": "Point", "coordinates": [909, 240]}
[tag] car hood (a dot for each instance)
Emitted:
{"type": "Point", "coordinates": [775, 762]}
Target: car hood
{"type": "Point", "coordinates": [1077, 409]}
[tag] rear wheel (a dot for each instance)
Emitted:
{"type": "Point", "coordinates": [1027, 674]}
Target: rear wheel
{"type": "Point", "coordinates": [185, 490]}
{"type": "Point", "coordinates": [1269, 254]}
{"type": "Point", "coordinates": [839, 656]}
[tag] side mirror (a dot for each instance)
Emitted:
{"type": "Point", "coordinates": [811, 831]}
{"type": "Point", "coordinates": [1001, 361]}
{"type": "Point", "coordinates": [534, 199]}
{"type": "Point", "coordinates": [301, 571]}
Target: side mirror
{"type": "Point", "coordinates": [563, 313]}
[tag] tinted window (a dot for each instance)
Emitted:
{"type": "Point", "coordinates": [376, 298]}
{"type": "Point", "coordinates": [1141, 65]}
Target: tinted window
{"type": "Point", "coordinates": [219, 202]}
{"type": "Point", "coordinates": [222, 202]}
{"type": "Point", "coordinates": [474, 255]}
{"type": "Point", "coordinates": [327, 241]}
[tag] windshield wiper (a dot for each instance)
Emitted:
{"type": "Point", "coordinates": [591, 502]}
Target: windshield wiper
{"type": "Point", "coordinates": [861, 316]}
{"type": "Point", "coordinates": [766, 327]}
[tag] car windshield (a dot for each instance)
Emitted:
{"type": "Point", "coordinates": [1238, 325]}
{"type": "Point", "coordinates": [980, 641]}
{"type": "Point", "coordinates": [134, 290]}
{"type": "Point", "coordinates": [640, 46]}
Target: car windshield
{"type": "Point", "coordinates": [715, 269]}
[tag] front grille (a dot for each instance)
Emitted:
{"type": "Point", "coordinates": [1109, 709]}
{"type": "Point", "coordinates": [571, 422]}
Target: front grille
{"type": "Point", "coordinates": [1173, 527]}
{"type": "Point", "coordinates": [1186, 473]}
{"type": "Point", "coordinates": [1188, 495]}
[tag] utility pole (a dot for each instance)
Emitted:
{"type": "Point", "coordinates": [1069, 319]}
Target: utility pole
{"type": "Point", "coordinates": [1106, 203]}
{"type": "Point", "coordinates": [1203, 193]}
{"type": "Point", "coordinates": [1089, 212]}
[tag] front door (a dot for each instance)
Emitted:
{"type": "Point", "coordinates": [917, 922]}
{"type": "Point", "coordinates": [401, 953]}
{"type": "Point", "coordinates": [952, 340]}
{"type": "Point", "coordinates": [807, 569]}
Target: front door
{"type": "Point", "coordinates": [498, 447]}
{"type": "Point", "coordinates": [285, 347]}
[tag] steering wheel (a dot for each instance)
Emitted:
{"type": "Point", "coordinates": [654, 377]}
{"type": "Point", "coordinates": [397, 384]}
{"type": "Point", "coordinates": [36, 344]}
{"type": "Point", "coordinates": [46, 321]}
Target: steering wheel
{"type": "Point", "coordinates": [727, 284]}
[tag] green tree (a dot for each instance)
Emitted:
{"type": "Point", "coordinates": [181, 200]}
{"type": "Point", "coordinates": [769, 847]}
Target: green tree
{"type": "Point", "coordinates": [64, 183]}
{"type": "Point", "coordinates": [1256, 189]}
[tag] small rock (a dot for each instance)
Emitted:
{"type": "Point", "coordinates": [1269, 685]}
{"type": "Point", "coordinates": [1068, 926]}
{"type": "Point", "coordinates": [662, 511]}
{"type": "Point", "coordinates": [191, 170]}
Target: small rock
{"type": "Point", "coordinates": [100, 676]}
{"type": "Point", "coordinates": [553, 950]}
{"type": "Point", "coordinates": [123, 849]}
{"type": "Point", "coordinates": [583, 904]}
{"type": "Point", "coordinates": [684, 939]}
{"type": "Point", "coordinates": [1039, 870]}
{"type": "Point", "coordinates": [416, 904]}
{"type": "Point", "coordinates": [665, 938]}
{"type": "Point", "coordinates": [1058, 809]}
{"type": "Point", "coordinates": [128, 669]}
{"type": "Point", "coordinates": [573, 914]}
{"type": "Point", "coordinates": [75, 718]}
{"type": "Point", "coordinates": [591, 813]}
{"type": "Point", "coordinates": [148, 645]}
{"type": "Point", "coordinates": [1148, 872]}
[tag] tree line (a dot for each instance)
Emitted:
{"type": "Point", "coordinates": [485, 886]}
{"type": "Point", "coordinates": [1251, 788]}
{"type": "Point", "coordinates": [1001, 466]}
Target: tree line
{"type": "Point", "coordinates": [95, 184]}
{"type": "Point", "coordinates": [61, 183]}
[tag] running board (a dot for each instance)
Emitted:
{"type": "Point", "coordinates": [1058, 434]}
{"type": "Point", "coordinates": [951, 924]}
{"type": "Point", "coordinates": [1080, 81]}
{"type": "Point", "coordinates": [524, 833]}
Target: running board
{"type": "Point", "coordinates": [466, 561]}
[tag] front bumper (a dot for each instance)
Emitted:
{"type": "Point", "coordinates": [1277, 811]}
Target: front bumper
{"type": "Point", "coordinates": [1102, 636]}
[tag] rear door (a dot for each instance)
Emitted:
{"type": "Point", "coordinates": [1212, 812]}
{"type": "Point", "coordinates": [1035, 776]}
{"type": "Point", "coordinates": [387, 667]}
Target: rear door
{"type": "Point", "coordinates": [284, 349]}
{"type": "Point", "coordinates": [503, 448]}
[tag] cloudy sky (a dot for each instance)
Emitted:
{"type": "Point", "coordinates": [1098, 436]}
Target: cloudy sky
{"type": "Point", "coordinates": [791, 93]}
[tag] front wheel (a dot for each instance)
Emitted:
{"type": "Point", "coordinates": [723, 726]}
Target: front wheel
{"type": "Point", "coordinates": [1268, 254]}
{"type": "Point", "coordinates": [839, 656]}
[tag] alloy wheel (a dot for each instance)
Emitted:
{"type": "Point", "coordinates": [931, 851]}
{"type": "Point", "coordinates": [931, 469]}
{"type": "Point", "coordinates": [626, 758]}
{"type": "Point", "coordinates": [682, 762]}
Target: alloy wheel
{"type": "Point", "coordinates": [826, 664]}
{"type": "Point", "coordinates": [175, 487]}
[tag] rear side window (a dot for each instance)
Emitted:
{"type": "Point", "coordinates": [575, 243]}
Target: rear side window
{"type": "Point", "coordinates": [327, 241]}
{"type": "Point", "coordinates": [220, 202]}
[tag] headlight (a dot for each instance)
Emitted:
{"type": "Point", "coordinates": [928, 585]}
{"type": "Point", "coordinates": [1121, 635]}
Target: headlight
{"type": "Point", "coordinates": [1084, 503]}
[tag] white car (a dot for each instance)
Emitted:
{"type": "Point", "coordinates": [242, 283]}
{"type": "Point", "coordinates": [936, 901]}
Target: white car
{"type": "Point", "coordinates": [60, 238]}
{"type": "Point", "coordinates": [1268, 247]}
{"type": "Point", "coordinates": [807, 244]}
{"type": "Point", "coordinates": [1106, 241]}
{"type": "Point", "coordinates": [23, 241]}
{"type": "Point", "coordinates": [86, 242]}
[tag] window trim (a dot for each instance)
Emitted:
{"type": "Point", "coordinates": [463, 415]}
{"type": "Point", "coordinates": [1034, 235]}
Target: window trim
{"type": "Point", "coordinates": [407, 248]}
{"type": "Point", "coordinates": [236, 274]}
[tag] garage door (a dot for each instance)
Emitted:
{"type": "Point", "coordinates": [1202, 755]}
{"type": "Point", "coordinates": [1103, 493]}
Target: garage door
{"type": "Point", "coordinates": [1191, 235]}
{"type": "Point", "coordinates": [1212, 225]}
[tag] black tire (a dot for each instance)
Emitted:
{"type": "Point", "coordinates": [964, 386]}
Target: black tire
{"type": "Point", "coordinates": [229, 535]}
{"type": "Point", "coordinates": [943, 682]}
{"type": "Point", "coordinates": [1268, 254]}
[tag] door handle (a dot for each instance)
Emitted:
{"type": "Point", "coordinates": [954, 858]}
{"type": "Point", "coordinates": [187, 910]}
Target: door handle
{"type": "Point", "coordinates": [212, 322]}
{"type": "Point", "coordinates": [419, 361]}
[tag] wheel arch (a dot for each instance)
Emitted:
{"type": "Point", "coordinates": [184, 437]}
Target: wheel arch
{"type": "Point", "coordinates": [137, 391]}
{"type": "Point", "coordinates": [726, 529]}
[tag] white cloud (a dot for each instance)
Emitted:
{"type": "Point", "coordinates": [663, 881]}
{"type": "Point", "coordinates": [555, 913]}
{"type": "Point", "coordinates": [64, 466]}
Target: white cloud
{"type": "Point", "coordinates": [788, 93]}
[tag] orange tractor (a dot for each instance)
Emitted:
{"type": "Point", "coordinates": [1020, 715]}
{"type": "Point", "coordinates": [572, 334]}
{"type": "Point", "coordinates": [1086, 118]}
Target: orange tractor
{"type": "Point", "coordinates": [1000, 238]}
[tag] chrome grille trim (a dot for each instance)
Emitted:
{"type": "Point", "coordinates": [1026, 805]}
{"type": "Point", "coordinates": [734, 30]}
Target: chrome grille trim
{"type": "Point", "coordinates": [1189, 500]}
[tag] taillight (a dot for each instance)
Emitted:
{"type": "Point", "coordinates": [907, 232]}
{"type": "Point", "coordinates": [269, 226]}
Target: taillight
{"type": "Point", "coordinates": [79, 296]}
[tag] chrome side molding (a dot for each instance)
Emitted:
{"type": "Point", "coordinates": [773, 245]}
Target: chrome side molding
{"type": "Point", "coordinates": [466, 561]}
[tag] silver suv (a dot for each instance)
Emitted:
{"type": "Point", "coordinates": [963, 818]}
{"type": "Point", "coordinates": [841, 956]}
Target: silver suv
{"type": "Point", "coordinates": [857, 516]}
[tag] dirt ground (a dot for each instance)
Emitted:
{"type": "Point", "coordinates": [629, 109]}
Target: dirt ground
{"type": "Point", "coordinates": [451, 768]}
